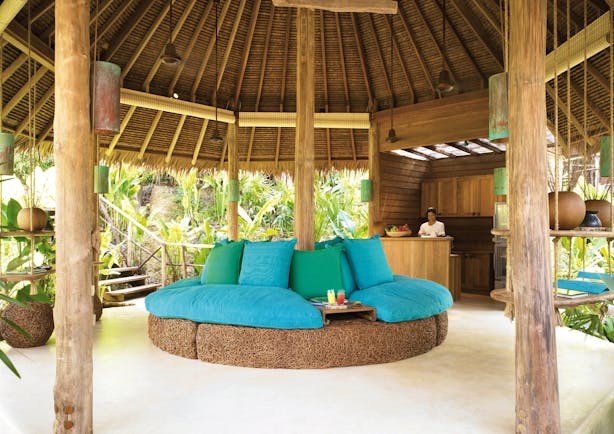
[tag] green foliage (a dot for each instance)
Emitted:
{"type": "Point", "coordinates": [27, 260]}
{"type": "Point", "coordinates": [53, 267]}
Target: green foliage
{"type": "Point", "coordinates": [591, 319]}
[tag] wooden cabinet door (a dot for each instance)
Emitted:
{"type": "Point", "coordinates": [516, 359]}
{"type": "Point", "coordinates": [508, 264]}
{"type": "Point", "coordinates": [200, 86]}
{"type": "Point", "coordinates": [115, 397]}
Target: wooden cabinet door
{"type": "Point", "coordinates": [429, 196]}
{"type": "Point", "coordinates": [447, 197]}
{"type": "Point", "coordinates": [486, 187]}
{"type": "Point", "coordinates": [477, 273]}
{"type": "Point", "coordinates": [468, 196]}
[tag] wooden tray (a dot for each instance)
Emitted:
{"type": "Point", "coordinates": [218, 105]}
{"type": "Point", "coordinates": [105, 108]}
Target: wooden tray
{"type": "Point", "coordinates": [398, 234]}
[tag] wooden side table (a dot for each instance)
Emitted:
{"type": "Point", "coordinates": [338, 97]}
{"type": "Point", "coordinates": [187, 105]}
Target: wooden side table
{"type": "Point", "coordinates": [364, 311]}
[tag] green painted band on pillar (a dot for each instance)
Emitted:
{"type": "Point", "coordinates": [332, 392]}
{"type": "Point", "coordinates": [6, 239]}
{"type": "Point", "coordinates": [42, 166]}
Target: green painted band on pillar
{"type": "Point", "coordinates": [233, 190]}
{"type": "Point", "coordinates": [605, 169]}
{"type": "Point", "coordinates": [366, 190]}
{"type": "Point", "coordinates": [500, 181]}
{"type": "Point", "coordinates": [7, 153]}
{"type": "Point", "coordinates": [101, 179]}
{"type": "Point", "coordinates": [498, 130]}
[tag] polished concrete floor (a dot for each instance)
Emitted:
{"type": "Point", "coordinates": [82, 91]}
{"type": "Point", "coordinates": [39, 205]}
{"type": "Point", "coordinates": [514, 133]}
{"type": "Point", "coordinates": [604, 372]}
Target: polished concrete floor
{"type": "Point", "coordinates": [464, 386]}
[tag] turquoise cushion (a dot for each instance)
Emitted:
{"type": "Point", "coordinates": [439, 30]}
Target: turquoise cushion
{"type": "Point", "coordinates": [224, 264]}
{"type": "Point", "coordinates": [190, 281]}
{"type": "Point", "coordinates": [368, 261]}
{"type": "Point", "coordinates": [253, 306]}
{"type": "Point", "coordinates": [267, 263]}
{"type": "Point", "coordinates": [405, 299]}
{"type": "Point", "coordinates": [314, 272]}
{"type": "Point", "coordinates": [203, 275]}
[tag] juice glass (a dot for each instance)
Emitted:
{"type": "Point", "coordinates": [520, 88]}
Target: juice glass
{"type": "Point", "coordinates": [340, 296]}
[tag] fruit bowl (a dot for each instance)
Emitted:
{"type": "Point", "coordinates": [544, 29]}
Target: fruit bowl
{"type": "Point", "coordinates": [398, 234]}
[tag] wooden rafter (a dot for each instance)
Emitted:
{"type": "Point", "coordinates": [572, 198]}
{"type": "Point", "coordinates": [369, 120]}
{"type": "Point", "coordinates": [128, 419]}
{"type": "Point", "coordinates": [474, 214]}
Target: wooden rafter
{"type": "Point", "coordinates": [462, 148]}
{"type": "Point", "coordinates": [412, 42]}
{"type": "Point", "coordinates": [246, 50]}
{"type": "Point", "coordinates": [456, 34]}
{"type": "Point", "coordinates": [144, 41]}
{"type": "Point", "coordinates": [46, 131]}
{"type": "Point", "coordinates": [570, 116]}
{"type": "Point", "coordinates": [363, 65]}
{"type": "Point", "coordinates": [37, 108]}
{"type": "Point", "coordinates": [231, 41]}
{"type": "Point", "coordinates": [369, 6]}
{"type": "Point", "coordinates": [421, 154]}
{"type": "Point", "coordinates": [601, 117]}
{"type": "Point", "coordinates": [17, 36]}
{"type": "Point", "coordinates": [395, 46]}
{"type": "Point", "coordinates": [14, 66]}
{"type": "Point", "coordinates": [492, 19]}
{"type": "Point", "coordinates": [205, 61]}
{"type": "Point", "coordinates": [41, 10]}
{"type": "Point", "coordinates": [8, 107]}
{"type": "Point", "coordinates": [122, 128]}
{"type": "Point", "coordinates": [325, 78]}
{"type": "Point", "coordinates": [188, 51]}
{"type": "Point", "coordinates": [199, 142]}
{"type": "Point", "coordinates": [380, 56]}
{"type": "Point", "coordinates": [434, 148]}
{"type": "Point", "coordinates": [263, 64]}
{"type": "Point", "coordinates": [177, 28]}
{"type": "Point", "coordinates": [475, 25]}
{"type": "Point", "coordinates": [113, 19]}
{"type": "Point", "coordinates": [171, 148]}
{"type": "Point", "coordinates": [282, 94]}
{"type": "Point", "coordinates": [485, 144]}
{"type": "Point", "coordinates": [50, 31]}
{"type": "Point", "coordinates": [150, 132]}
{"type": "Point", "coordinates": [345, 81]}
{"type": "Point", "coordinates": [122, 35]}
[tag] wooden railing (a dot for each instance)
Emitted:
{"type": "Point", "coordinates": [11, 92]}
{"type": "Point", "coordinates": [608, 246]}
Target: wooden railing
{"type": "Point", "coordinates": [141, 245]}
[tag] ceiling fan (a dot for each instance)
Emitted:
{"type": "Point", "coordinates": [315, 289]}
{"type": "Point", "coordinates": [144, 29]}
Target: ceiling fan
{"type": "Point", "coordinates": [169, 55]}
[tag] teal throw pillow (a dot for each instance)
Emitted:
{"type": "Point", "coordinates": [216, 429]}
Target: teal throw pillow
{"type": "Point", "coordinates": [347, 277]}
{"type": "Point", "coordinates": [203, 274]}
{"type": "Point", "coordinates": [224, 264]}
{"type": "Point", "coordinates": [314, 272]}
{"type": "Point", "coordinates": [368, 261]}
{"type": "Point", "coordinates": [267, 263]}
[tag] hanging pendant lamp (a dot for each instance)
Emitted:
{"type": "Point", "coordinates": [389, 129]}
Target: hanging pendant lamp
{"type": "Point", "coordinates": [169, 55]}
{"type": "Point", "coordinates": [216, 139]}
{"type": "Point", "coordinates": [392, 134]}
{"type": "Point", "coordinates": [444, 83]}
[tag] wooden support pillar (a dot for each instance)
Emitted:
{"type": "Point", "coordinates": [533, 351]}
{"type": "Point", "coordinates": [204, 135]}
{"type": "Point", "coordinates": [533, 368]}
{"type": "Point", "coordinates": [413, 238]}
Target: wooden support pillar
{"type": "Point", "coordinates": [375, 224]}
{"type": "Point", "coordinates": [73, 302]}
{"type": "Point", "coordinates": [304, 147]}
{"type": "Point", "coordinates": [233, 176]}
{"type": "Point", "coordinates": [537, 396]}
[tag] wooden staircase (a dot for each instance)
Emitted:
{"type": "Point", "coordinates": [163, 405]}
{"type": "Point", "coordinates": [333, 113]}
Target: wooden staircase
{"type": "Point", "coordinates": [125, 282]}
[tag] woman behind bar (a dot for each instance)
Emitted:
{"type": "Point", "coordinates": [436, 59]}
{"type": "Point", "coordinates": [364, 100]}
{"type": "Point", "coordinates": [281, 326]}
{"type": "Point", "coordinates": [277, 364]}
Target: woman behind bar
{"type": "Point", "coordinates": [433, 227]}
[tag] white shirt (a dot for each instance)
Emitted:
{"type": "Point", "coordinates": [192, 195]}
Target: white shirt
{"type": "Point", "coordinates": [437, 229]}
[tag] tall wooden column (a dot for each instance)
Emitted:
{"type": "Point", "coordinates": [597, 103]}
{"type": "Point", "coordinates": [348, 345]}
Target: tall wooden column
{"type": "Point", "coordinates": [233, 176]}
{"type": "Point", "coordinates": [537, 396]}
{"type": "Point", "coordinates": [374, 176]}
{"type": "Point", "coordinates": [73, 302]}
{"type": "Point", "coordinates": [304, 147]}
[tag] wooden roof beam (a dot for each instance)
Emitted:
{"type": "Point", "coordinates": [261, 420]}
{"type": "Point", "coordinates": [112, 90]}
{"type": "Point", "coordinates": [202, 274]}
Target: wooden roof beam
{"type": "Point", "coordinates": [325, 78]}
{"type": "Point", "coordinates": [113, 19]}
{"type": "Point", "coordinates": [475, 25]}
{"type": "Point", "coordinates": [178, 26]}
{"type": "Point", "coordinates": [199, 142]}
{"type": "Point", "coordinates": [37, 108]}
{"type": "Point", "coordinates": [412, 42]}
{"type": "Point", "coordinates": [50, 31]}
{"type": "Point", "coordinates": [188, 51]}
{"type": "Point", "coordinates": [265, 55]}
{"type": "Point", "coordinates": [21, 93]}
{"type": "Point", "coordinates": [14, 66]}
{"type": "Point", "coordinates": [246, 50]}
{"type": "Point", "coordinates": [17, 35]}
{"type": "Point", "coordinates": [345, 81]}
{"type": "Point", "coordinates": [434, 148]}
{"type": "Point", "coordinates": [122, 127]}
{"type": "Point", "coordinates": [570, 116]}
{"type": "Point", "coordinates": [369, 6]}
{"type": "Point", "coordinates": [395, 45]}
{"type": "Point", "coordinates": [363, 65]}
{"type": "Point", "coordinates": [171, 148]}
{"type": "Point", "coordinates": [601, 117]}
{"type": "Point", "coordinates": [421, 154]}
{"type": "Point", "coordinates": [122, 35]}
{"type": "Point", "coordinates": [41, 10]}
{"type": "Point", "coordinates": [492, 19]}
{"type": "Point", "coordinates": [150, 132]}
{"type": "Point", "coordinates": [231, 41]}
{"type": "Point", "coordinates": [210, 47]}
{"type": "Point", "coordinates": [463, 148]}
{"type": "Point", "coordinates": [380, 56]}
{"type": "Point", "coordinates": [454, 32]}
{"type": "Point", "coordinates": [282, 95]}
{"type": "Point", "coordinates": [485, 144]}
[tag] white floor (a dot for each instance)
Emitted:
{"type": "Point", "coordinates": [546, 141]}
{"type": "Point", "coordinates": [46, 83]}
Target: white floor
{"type": "Point", "coordinates": [464, 386]}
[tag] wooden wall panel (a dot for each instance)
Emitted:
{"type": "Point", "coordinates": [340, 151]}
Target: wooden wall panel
{"type": "Point", "coordinates": [465, 166]}
{"type": "Point", "coordinates": [401, 180]}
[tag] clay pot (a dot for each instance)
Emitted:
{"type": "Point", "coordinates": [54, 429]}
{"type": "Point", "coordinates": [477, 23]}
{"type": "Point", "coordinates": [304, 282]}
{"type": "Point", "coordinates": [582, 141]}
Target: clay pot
{"type": "Point", "coordinates": [36, 319]}
{"type": "Point", "coordinates": [591, 220]}
{"type": "Point", "coordinates": [39, 219]}
{"type": "Point", "coordinates": [604, 208]}
{"type": "Point", "coordinates": [571, 210]}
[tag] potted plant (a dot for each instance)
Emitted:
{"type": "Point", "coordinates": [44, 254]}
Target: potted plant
{"type": "Point", "coordinates": [596, 200]}
{"type": "Point", "coordinates": [31, 218]}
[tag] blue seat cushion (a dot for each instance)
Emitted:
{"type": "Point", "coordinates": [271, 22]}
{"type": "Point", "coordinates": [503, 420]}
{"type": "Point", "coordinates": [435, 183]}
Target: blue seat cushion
{"type": "Point", "coordinates": [405, 299]}
{"type": "Point", "coordinates": [267, 263]}
{"type": "Point", "coordinates": [368, 261]}
{"type": "Point", "coordinates": [252, 306]}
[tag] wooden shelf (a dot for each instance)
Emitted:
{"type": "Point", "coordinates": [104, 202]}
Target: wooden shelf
{"type": "Point", "coordinates": [507, 297]}
{"type": "Point", "coordinates": [558, 234]}
{"type": "Point", "coordinates": [20, 233]}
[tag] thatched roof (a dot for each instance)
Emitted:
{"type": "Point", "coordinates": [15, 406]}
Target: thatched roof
{"type": "Point", "coordinates": [257, 60]}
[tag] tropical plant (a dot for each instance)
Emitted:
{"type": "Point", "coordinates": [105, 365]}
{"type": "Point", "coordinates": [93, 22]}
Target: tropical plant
{"type": "Point", "coordinates": [590, 191]}
{"type": "Point", "coordinates": [3, 357]}
{"type": "Point", "coordinates": [591, 319]}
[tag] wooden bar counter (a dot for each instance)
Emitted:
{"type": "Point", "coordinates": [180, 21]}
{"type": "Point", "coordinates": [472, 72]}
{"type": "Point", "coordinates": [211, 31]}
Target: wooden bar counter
{"type": "Point", "coordinates": [425, 258]}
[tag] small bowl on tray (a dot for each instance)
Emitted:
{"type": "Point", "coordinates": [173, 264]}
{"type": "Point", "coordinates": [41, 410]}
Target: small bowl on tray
{"type": "Point", "coordinates": [398, 234]}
